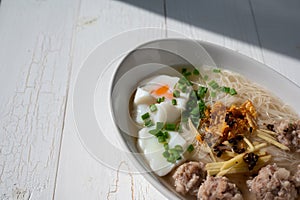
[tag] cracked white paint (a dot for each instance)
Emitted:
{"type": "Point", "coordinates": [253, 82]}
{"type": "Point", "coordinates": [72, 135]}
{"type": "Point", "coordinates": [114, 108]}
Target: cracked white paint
{"type": "Point", "coordinates": [31, 121]}
{"type": "Point", "coordinates": [31, 130]}
{"type": "Point", "coordinates": [79, 175]}
{"type": "Point", "coordinates": [114, 188]}
{"type": "Point", "coordinates": [21, 194]}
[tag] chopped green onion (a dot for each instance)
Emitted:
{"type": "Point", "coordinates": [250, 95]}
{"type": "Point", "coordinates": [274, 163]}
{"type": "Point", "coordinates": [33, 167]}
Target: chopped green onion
{"type": "Point", "coordinates": [159, 133]}
{"type": "Point", "coordinates": [183, 70]}
{"type": "Point", "coordinates": [213, 94]}
{"type": "Point", "coordinates": [205, 77]}
{"type": "Point", "coordinates": [190, 148]}
{"type": "Point", "coordinates": [161, 136]}
{"type": "Point", "coordinates": [187, 74]}
{"type": "Point", "coordinates": [166, 154]}
{"type": "Point", "coordinates": [184, 119]}
{"type": "Point", "coordinates": [228, 90]}
{"type": "Point", "coordinates": [195, 111]}
{"type": "Point", "coordinates": [145, 116]}
{"type": "Point", "coordinates": [176, 154]}
{"type": "Point", "coordinates": [170, 127]}
{"type": "Point", "coordinates": [193, 96]}
{"type": "Point", "coordinates": [166, 135]}
{"type": "Point", "coordinates": [171, 159]}
{"type": "Point", "coordinates": [147, 120]}
{"type": "Point", "coordinates": [160, 99]}
{"type": "Point", "coordinates": [184, 81]}
{"type": "Point", "coordinates": [183, 88]}
{"type": "Point", "coordinates": [232, 91]}
{"type": "Point", "coordinates": [185, 115]}
{"type": "Point", "coordinates": [225, 89]}
{"type": "Point", "coordinates": [172, 154]}
{"type": "Point", "coordinates": [153, 132]}
{"type": "Point", "coordinates": [153, 108]}
{"type": "Point", "coordinates": [174, 102]}
{"type": "Point", "coordinates": [189, 107]}
{"type": "Point", "coordinates": [178, 148]}
{"type": "Point", "coordinates": [176, 93]}
{"type": "Point", "coordinates": [202, 107]}
{"type": "Point", "coordinates": [196, 72]}
{"type": "Point", "coordinates": [161, 139]}
{"type": "Point", "coordinates": [201, 92]}
{"type": "Point", "coordinates": [173, 150]}
{"type": "Point", "coordinates": [216, 70]}
{"type": "Point", "coordinates": [213, 84]}
{"type": "Point", "coordinates": [180, 129]}
{"type": "Point", "coordinates": [148, 123]}
{"type": "Point", "coordinates": [166, 146]}
{"type": "Point", "coordinates": [195, 121]}
{"type": "Point", "coordinates": [159, 125]}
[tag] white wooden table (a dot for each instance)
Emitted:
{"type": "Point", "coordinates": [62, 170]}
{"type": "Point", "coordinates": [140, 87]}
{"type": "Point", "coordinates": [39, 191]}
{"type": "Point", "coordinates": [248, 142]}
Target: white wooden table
{"type": "Point", "coordinates": [43, 44]}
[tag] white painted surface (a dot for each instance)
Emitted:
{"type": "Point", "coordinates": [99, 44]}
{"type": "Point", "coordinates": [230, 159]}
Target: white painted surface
{"type": "Point", "coordinates": [80, 176]}
{"type": "Point", "coordinates": [43, 44]}
{"type": "Point", "coordinates": [36, 38]}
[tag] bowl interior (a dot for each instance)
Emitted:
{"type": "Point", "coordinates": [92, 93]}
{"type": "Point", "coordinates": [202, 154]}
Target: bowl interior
{"type": "Point", "coordinates": [156, 57]}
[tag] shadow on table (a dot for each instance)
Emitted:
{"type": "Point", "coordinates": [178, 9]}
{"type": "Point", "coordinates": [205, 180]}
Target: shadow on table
{"type": "Point", "coordinates": [271, 24]}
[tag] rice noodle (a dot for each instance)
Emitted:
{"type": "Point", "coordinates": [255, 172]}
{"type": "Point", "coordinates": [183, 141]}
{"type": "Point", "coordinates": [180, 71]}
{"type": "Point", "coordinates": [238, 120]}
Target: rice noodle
{"type": "Point", "coordinates": [269, 109]}
{"type": "Point", "coordinates": [266, 103]}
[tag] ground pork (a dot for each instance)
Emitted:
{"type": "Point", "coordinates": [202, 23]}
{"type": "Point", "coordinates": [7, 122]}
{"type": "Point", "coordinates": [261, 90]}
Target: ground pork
{"type": "Point", "coordinates": [188, 177]}
{"type": "Point", "coordinates": [218, 188]}
{"type": "Point", "coordinates": [273, 183]}
{"type": "Point", "coordinates": [288, 134]}
{"type": "Point", "coordinates": [296, 180]}
{"type": "Point", "coordinates": [296, 177]}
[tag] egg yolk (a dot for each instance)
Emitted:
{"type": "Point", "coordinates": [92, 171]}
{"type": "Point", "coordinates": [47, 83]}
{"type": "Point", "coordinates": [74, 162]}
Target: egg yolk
{"type": "Point", "coordinates": [163, 91]}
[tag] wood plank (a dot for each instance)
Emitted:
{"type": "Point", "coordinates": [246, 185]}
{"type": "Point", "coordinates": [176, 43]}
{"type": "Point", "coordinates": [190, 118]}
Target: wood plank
{"type": "Point", "coordinates": [225, 23]}
{"type": "Point", "coordinates": [278, 25]}
{"type": "Point", "coordinates": [80, 176]}
{"type": "Point", "coordinates": [34, 73]}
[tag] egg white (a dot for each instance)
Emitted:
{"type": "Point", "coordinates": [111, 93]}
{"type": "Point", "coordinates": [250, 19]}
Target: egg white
{"type": "Point", "coordinates": [153, 150]}
{"type": "Point", "coordinates": [167, 113]}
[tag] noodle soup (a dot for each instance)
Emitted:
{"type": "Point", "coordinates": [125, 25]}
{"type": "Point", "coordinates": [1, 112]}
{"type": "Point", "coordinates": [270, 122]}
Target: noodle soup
{"type": "Point", "coordinates": [210, 128]}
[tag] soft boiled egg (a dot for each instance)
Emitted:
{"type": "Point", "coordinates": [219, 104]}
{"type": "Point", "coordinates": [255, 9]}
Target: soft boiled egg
{"type": "Point", "coordinates": [153, 150]}
{"type": "Point", "coordinates": [158, 92]}
{"type": "Point", "coordinates": [150, 90]}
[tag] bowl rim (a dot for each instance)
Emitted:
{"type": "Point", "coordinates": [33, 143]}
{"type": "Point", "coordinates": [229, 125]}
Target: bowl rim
{"type": "Point", "coordinates": [150, 176]}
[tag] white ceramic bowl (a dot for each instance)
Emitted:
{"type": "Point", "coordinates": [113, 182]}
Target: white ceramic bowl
{"type": "Point", "coordinates": [101, 97]}
{"type": "Point", "coordinates": [156, 57]}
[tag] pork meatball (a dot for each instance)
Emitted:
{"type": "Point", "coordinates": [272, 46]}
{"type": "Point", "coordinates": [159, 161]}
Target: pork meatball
{"type": "Point", "coordinates": [218, 188]}
{"type": "Point", "coordinates": [296, 180]}
{"type": "Point", "coordinates": [288, 134]}
{"type": "Point", "coordinates": [273, 183]}
{"type": "Point", "coordinates": [188, 177]}
{"type": "Point", "coordinates": [296, 177]}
